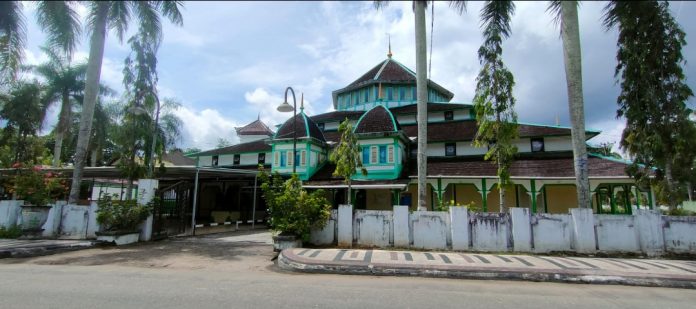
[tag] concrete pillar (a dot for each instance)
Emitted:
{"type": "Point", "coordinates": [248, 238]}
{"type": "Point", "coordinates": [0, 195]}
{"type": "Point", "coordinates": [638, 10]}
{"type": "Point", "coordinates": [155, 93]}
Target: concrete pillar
{"type": "Point", "coordinates": [146, 192]}
{"type": "Point", "coordinates": [401, 238]}
{"type": "Point", "coordinates": [10, 212]}
{"type": "Point", "coordinates": [345, 225]}
{"type": "Point", "coordinates": [521, 229]}
{"type": "Point", "coordinates": [459, 226]}
{"type": "Point", "coordinates": [52, 225]}
{"type": "Point", "coordinates": [583, 230]}
{"type": "Point", "coordinates": [650, 232]}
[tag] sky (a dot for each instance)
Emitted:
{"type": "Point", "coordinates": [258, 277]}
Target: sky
{"type": "Point", "coordinates": [231, 61]}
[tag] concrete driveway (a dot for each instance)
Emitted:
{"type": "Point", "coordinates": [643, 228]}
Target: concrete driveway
{"type": "Point", "coordinates": [225, 251]}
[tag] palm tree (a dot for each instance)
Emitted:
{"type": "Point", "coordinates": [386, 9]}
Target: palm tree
{"type": "Point", "coordinates": [422, 91]}
{"type": "Point", "coordinates": [65, 83]}
{"type": "Point", "coordinates": [566, 12]}
{"type": "Point", "coordinates": [23, 110]}
{"type": "Point", "coordinates": [115, 15]}
{"type": "Point", "coordinates": [57, 18]}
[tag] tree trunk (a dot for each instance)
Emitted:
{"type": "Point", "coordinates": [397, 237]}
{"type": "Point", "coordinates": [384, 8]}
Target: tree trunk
{"type": "Point", "coordinates": [570, 33]}
{"type": "Point", "coordinates": [689, 191]}
{"type": "Point", "coordinates": [669, 181]}
{"type": "Point", "coordinates": [93, 159]}
{"type": "Point", "coordinates": [61, 128]}
{"type": "Point", "coordinates": [96, 53]}
{"type": "Point", "coordinates": [501, 192]}
{"type": "Point", "coordinates": [422, 103]}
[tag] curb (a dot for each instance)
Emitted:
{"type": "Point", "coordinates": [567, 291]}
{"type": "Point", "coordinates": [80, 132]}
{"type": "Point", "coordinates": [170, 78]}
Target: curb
{"type": "Point", "coordinates": [44, 250]}
{"type": "Point", "coordinates": [297, 264]}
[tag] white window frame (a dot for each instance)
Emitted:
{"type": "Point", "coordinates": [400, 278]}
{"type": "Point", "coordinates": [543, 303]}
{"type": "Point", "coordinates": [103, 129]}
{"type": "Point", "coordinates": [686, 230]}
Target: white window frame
{"type": "Point", "coordinates": [290, 159]}
{"type": "Point", "coordinates": [391, 154]}
{"type": "Point", "coordinates": [303, 158]}
{"type": "Point", "coordinates": [374, 154]}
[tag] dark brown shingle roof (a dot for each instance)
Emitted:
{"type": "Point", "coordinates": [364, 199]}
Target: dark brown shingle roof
{"type": "Point", "coordinates": [378, 119]}
{"type": "Point", "coordinates": [466, 130]}
{"type": "Point", "coordinates": [337, 115]}
{"type": "Point", "coordinates": [432, 107]}
{"type": "Point", "coordinates": [178, 158]}
{"type": "Point", "coordinates": [255, 146]}
{"type": "Point", "coordinates": [304, 125]}
{"type": "Point", "coordinates": [547, 167]}
{"type": "Point", "coordinates": [255, 128]}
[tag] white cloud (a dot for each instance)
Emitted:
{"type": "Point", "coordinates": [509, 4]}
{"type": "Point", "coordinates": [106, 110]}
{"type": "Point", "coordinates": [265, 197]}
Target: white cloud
{"type": "Point", "coordinates": [203, 128]}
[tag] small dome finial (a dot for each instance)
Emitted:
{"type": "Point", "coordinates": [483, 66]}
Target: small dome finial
{"type": "Point", "coordinates": [389, 54]}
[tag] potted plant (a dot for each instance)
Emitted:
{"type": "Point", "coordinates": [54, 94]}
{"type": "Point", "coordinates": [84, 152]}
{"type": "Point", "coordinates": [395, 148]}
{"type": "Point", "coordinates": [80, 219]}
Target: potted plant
{"type": "Point", "coordinates": [120, 220]}
{"type": "Point", "coordinates": [292, 211]}
{"type": "Point", "coordinates": [37, 188]}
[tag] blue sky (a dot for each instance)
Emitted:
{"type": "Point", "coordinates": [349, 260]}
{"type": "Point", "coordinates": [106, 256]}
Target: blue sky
{"type": "Point", "coordinates": [231, 61]}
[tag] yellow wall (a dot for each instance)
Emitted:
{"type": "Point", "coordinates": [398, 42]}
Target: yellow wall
{"type": "Point", "coordinates": [378, 199]}
{"type": "Point", "coordinates": [413, 189]}
{"type": "Point", "coordinates": [560, 198]}
{"type": "Point", "coordinates": [465, 194]}
{"type": "Point", "coordinates": [493, 201]}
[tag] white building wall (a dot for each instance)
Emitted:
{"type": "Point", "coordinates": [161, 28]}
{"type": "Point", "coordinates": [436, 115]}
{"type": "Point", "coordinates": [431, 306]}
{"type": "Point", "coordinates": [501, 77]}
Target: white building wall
{"type": "Point", "coordinates": [557, 143]}
{"type": "Point", "coordinates": [251, 138]}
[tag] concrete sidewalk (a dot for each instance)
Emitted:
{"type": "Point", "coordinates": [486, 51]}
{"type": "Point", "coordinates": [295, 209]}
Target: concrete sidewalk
{"type": "Point", "coordinates": [640, 272]}
{"type": "Point", "coordinates": [16, 248]}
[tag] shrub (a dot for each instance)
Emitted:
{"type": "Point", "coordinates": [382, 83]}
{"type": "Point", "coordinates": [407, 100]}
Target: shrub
{"type": "Point", "coordinates": [291, 209]}
{"type": "Point", "coordinates": [127, 215]}
{"type": "Point", "coordinates": [11, 232]}
{"type": "Point", "coordinates": [37, 187]}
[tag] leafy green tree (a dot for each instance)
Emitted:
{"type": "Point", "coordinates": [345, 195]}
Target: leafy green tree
{"type": "Point", "coordinates": [291, 209]}
{"type": "Point", "coordinates": [604, 149]}
{"type": "Point", "coordinates": [23, 110]}
{"type": "Point", "coordinates": [654, 93]}
{"type": "Point", "coordinates": [57, 18]}
{"type": "Point", "coordinates": [115, 15]}
{"type": "Point", "coordinates": [494, 102]}
{"type": "Point", "coordinates": [64, 84]}
{"type": "Point", "coordinates": [346, 156]}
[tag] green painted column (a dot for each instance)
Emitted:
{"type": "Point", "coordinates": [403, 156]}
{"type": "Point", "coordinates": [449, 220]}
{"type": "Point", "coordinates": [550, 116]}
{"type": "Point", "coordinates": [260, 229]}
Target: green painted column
{"type": "Point", "coordinates": [484, 194]}
{"type": "Point", "coordinates": [534, 196]}
{"type": "Point", "coordinates": [598, 200]}
{"type": "Point", "coordinates": [651, 203]}
{"type": "Point", "coordinates": [612, 201]}
{"type": "Point", "coordinates": [638, 196]}
{"type": "Point", "coordinates": [627, 199]}
{"type": "Point", "coordinates": [439, 191]}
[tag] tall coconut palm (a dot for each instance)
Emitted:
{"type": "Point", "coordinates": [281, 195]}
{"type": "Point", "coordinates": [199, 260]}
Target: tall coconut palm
{"type": "Point", "coordinates": [64, 84]}
{"type": "Point", "coordinates": [115, 15]}
{"type": "Point", "coordinates": [566, 13]}
{"type": "Point", "coordinates": [57, 18]}
{"type": "Point", "coordinates": [422, 90]}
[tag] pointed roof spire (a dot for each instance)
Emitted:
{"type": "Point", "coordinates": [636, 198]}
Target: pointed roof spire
{"type": "Point", "coordinates": [389, 54]}
{"type": "Point", "coordinates": [259, 116]}
{"type": "Point", "coordinates": [302, 102]}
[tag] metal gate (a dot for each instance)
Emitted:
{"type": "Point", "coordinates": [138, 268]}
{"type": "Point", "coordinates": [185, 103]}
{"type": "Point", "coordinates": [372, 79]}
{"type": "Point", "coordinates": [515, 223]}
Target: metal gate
{"type": "Point", "coordinates": [170, 215]}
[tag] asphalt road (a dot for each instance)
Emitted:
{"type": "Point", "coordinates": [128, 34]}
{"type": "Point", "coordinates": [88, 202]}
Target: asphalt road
{"type": "Point", "coordinates": [236, 272]}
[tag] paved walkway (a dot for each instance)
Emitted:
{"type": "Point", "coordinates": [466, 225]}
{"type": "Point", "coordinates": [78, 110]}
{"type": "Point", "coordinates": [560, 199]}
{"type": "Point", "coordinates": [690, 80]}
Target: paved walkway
{"type": "Point", "coordinates": [26, 248]}
{"type": "Point", "coordinates": [644, 272]}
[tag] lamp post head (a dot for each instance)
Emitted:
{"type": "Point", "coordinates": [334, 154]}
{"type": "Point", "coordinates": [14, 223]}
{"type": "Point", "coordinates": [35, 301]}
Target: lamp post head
{"type": "Point", "coordinates": [137, 110]}
{"type": "Point", "coordinates": [285, 107]}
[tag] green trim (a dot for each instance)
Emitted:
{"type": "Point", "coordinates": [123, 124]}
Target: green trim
{"type": "Point", "coordinates": [484, 195]}
{"type": "Point", "coordinates": [598, 200]}
{"type": "Point", "coordinates": [439, 191]}
{"type": "Point", "coordinates": [558, 127]}
{"type": "Point", "coordinates": [638, 196]}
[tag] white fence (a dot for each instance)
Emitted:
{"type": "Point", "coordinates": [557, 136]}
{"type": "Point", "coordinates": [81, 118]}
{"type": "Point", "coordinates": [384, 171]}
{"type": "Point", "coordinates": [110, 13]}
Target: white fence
{"type": "Point", "coordinates": [645, 232]}
{"type": "Point", "coordinates": [75, 221]}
